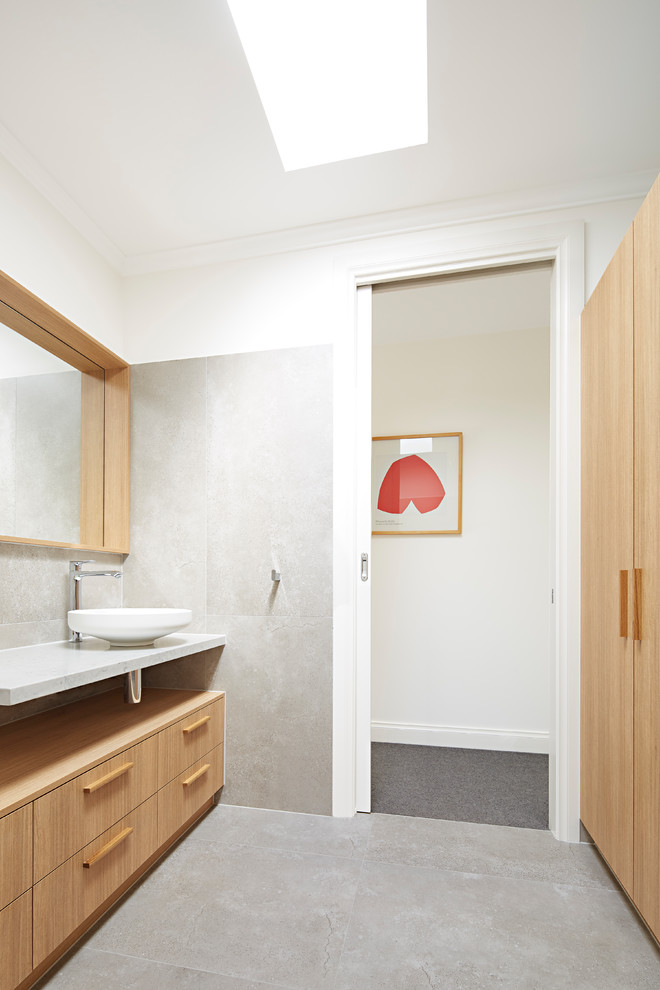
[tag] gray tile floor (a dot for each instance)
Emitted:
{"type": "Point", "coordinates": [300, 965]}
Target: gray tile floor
{"type": "Point", "coordinates": [254, 899]}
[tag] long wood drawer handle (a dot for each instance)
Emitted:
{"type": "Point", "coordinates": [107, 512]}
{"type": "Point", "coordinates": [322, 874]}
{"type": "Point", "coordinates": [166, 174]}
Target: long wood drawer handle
{"type": "Point", "coordinates": [623, 604]}
{"type": "Point", "coordinates": [108, 847]}
{"type": "Point", "coordinates": [637, 606]}
{"type": "Point", "coordinates": [102, 781]}
{"type": "Point", "coordinates": [196, 725]}
{"type": "Point", "coordinates": [197, 774]}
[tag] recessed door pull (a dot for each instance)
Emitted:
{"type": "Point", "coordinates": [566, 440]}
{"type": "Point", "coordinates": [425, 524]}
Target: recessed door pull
{"type": "Point", "coordinates": [364, 571]}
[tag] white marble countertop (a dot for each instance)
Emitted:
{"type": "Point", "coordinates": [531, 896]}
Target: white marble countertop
{"type": "Point", "coordinates": [28, 672]}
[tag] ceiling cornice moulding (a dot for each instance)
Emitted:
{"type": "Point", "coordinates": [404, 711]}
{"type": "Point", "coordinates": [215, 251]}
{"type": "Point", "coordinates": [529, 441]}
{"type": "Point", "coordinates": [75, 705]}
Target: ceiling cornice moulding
{"type": "Point", "coordinates": [41, 180]}
{"type": "Point", "coordinates": [587, 193]}
{"type": "Point", "coordinates": [352, 229]}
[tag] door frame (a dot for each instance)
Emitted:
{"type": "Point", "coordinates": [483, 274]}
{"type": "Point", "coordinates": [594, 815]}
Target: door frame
{"type": "Point", "coordinates": [488, 245]}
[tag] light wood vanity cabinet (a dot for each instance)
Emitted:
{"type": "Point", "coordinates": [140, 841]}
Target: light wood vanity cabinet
{"type": "Point", "coordinates": [90, 796]}
{"type": "Point", "coordinates": [16, 941]}
{"type": "Point", "coordinates": [64, 898]}
{"type": "Point", "coordinates": [15, 896]}
{"type": "Point", "coordinates": [15, 854]}
{"type": "Point", "coordinates": [92, 802]}
{"type": "Point", "coordinates": [620, 691]}
{"type": "Point", "coordinates": [186, 742]}
{"type": "Point", "coordinates": [196, 784]}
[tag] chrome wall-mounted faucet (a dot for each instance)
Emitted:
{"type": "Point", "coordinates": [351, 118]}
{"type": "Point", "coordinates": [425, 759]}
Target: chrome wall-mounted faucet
{"type": "Point", "coordinates": [76, 574]}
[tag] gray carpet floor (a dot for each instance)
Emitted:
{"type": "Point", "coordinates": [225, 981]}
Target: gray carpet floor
{"type": "Point", "coordinates": [463, 785]}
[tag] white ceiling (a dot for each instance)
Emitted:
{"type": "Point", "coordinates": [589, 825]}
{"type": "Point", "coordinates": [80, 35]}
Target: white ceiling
{"type": "Point", "coordinates": [143, 114]}
{"type": "Point", "coordinates": [497, 300]}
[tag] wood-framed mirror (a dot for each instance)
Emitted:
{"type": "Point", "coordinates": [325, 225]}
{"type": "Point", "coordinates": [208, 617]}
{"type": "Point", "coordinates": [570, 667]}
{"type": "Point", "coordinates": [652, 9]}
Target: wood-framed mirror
{"type": "Point", "coordinates": [102, 422]}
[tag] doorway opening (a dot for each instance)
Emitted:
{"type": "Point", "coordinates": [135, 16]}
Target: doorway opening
{"type": "Point", "coordinates": [460, 630]}
{"type": "Point", "coordinates": [431, 252]}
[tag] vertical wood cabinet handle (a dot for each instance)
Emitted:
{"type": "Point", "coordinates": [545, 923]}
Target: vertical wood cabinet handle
{"type": "Point", "coordinates": [623, 604]}
{"type": "Point", "coordinates": [102, 781]}
{"type": "Point", "coordinates": [196, 725]}
{"type": "Point", "coordinates": [637, 607]}
{"type": "Point", "coordinates": [108, 847]}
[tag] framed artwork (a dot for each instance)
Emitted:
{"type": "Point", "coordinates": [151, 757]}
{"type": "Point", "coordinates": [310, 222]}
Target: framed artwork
{"type": "Point", "coordinates": [417, 484]}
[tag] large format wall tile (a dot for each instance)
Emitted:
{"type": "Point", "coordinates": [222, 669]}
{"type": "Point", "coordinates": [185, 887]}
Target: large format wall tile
{"type": "Point", "coordinates": [231, 476]}
{"type": "Point", "coordinates": [34, 586]}
{"type": "Point", "coordinates": [34, 600]}
{"type": "Point", "coordinates": [15, 634]}
{"type": "Point", "coordinates": [277, 672]}
{"type": "Point", "coordinates": [270, 483]}
{"type": "Point", "coordinates": [167, 563]}
{"type": "Point", "coordinates": [194, 673]}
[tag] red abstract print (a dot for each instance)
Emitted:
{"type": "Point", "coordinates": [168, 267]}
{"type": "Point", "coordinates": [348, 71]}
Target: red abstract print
{"type": "Point", "coordinates": [410, 479]}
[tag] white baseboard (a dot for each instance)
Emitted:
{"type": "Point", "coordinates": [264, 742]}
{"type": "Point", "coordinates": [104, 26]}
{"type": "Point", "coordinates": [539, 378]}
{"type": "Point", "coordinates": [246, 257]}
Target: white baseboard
{"type": "Point", "coordinates": [510, 741]}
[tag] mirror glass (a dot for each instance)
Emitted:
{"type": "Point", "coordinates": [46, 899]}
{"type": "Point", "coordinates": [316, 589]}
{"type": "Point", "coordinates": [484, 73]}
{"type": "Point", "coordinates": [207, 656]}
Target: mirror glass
{"type": "Point", "coordinates": [40, 442]}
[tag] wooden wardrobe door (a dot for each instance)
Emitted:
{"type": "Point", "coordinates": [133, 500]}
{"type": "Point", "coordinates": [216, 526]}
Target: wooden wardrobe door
{"type": "Point", "coordinates": [607, 550]}
{"type": "Point", "coordinates": [646, 230]}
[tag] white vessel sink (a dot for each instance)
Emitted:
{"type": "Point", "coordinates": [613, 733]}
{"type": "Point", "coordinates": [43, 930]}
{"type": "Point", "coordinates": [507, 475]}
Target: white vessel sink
{"type": "Point", "coordinates": [128, 626]}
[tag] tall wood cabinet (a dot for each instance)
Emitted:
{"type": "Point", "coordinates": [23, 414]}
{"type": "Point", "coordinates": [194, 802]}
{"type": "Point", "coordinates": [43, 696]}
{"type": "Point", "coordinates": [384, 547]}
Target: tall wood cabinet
{"type": "Point", "coordinates": [620, 692]}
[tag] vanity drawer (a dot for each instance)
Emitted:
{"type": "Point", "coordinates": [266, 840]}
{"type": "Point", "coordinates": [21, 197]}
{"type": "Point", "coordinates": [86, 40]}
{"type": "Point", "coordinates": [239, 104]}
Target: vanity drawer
{"type": "Point", "coordinates": [91, 803]}
{"type": "Point", "coordinates": [182, 797]}
{"type": "Point", "coordinates": [69, 895]}
{"type": "Point", "coordinates": [16, 942]}
{"type": "Point", "coordinates": [185, 742]}
{"type": "Point", "coordinates": [15, 854]}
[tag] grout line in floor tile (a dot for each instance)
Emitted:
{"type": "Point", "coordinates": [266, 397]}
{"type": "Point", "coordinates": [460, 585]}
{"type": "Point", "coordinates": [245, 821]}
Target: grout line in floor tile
{"type": "Point", "coordinates": [350, 919]}
{"type": "Point", "coordinates": [193, 969]}
{"type": "Point", "coordinates": [496, 876]}
{"type": "Point", "coordinates": [296, 852]}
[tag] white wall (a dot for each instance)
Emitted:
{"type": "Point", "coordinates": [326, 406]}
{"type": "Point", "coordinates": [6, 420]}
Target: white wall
{"type": "Point", "coordinates": [299, 297]}
{"type": "Point", "coordinates": [42, 251]}
{"type": "Point", "coordinates": [460, 623]}
{"type": "Point", "coordinates": [252, 305]}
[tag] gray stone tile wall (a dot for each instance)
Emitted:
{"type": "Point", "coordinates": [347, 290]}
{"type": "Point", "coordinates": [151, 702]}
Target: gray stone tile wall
{"type": "Point", "coordinates": [277, 672]}
{"type": "Point", "coordinates": [166, 567]}
{"type": "Point", "coordinates": [34, 599]}
{"type": "Point", "coordinates": [269, 483]}
{"type": "Point", "coordinates": [232, 478]}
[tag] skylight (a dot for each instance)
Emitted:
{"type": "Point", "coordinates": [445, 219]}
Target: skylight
{"type": "Point", "coordinates": [337, 79]}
